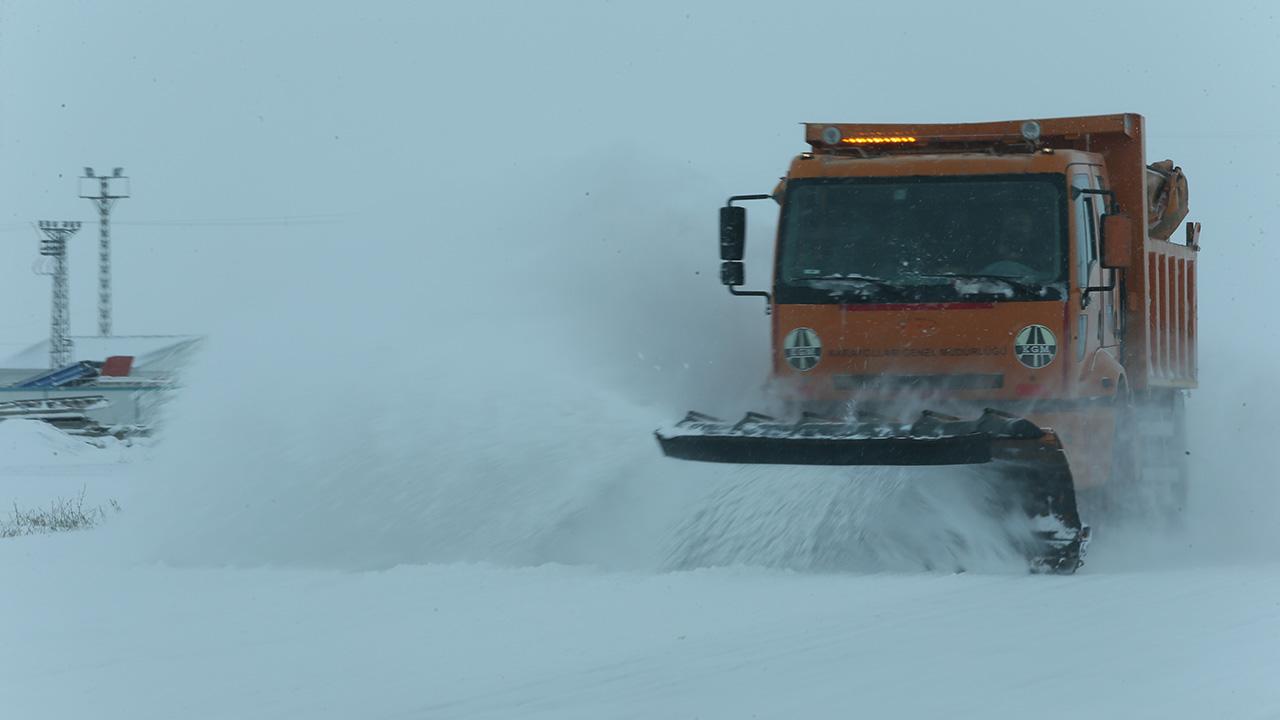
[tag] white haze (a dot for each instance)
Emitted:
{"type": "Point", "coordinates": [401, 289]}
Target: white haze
{"type": "Point", "coordinates": [487, 267]}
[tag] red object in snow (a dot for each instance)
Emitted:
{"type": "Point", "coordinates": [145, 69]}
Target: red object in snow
{"type": "Point", "coordinates": [117, 366]}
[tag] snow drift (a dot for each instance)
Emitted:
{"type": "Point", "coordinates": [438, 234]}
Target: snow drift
{"type": "Point", "coordinates": [33, 442]}
{"type": "Point", "coordinates": [505, 413]}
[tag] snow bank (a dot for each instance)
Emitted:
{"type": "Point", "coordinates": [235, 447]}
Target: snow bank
{"type": "Point", "coordinates": [33, 442]}
{"type": "Point", "coordinates": [43, 468]}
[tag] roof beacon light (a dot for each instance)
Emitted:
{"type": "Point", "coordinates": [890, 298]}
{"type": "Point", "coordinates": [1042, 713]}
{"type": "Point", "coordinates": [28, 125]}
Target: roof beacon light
{"type": "Point", "coordinates": [1031, 130]}
{"type": "Point", "coordinates": [831, 135]}
{"type": "Point", "coordinates": [878, 139]}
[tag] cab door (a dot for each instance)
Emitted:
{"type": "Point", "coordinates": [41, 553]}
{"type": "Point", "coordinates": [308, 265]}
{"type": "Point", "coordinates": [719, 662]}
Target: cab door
{"type": "Point", "coordinates": [1109, 326]}
{"type": "Point", "coordinates": [1091, 330]}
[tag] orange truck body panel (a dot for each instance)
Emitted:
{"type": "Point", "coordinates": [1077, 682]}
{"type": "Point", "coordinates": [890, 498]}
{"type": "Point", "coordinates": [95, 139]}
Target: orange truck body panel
{"type": "Point", "coordinates": [962, 353]}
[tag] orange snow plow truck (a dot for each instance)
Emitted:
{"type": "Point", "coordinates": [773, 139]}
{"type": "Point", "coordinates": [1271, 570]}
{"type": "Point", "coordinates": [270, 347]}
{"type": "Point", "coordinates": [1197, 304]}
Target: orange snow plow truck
{"type": "Point", "coordinates": [1011, 293]}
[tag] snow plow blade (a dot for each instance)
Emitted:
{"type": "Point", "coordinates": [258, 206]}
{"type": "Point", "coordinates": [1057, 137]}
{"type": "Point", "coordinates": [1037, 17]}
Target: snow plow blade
{"type": "Point", "coordinates": [1029, 458]}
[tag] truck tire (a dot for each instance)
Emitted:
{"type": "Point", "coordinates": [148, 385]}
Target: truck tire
{"type": "Point", "coordinates": [1149, 479]}
{"type": "Point", "coordinates": [1162, 430]}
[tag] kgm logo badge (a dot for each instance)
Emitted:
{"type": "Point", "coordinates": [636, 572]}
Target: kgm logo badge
{"type": "Point", "coordinates": [802, 349]}
{"type": "Point", "coordinates": [1035, 346]}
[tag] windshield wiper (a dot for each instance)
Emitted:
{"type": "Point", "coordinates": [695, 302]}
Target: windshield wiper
{"type": "Point", "coordinates": [852, 279]}
{"type": "Point", "coordinates": [1019, 285]}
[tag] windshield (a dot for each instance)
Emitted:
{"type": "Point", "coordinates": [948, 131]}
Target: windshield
{"type": "Point", "coordinates": [877, 239]}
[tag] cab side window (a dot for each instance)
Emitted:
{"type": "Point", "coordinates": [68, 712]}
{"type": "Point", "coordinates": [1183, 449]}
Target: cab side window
{"type": "Point", "coordinates": [1086, 229]}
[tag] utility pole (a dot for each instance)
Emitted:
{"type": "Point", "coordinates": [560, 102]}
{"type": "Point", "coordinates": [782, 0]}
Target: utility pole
{"type": "Point", "coordinates": [54, 246]}
{"type": "Point", "coordinates": [104, 191]}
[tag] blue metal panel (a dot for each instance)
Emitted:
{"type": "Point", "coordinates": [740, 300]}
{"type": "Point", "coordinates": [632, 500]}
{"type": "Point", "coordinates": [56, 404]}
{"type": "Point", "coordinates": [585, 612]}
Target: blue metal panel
{"type": "Point", "coordinates": [62, 376]}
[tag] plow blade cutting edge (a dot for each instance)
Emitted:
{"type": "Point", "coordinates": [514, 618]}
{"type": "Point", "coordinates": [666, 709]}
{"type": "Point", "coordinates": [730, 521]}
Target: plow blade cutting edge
{"type": "Point", "coordinates": [1031, 465]}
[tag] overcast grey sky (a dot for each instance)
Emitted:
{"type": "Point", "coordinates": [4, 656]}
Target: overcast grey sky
{"type": "Point", "coordinates": [387, 132]}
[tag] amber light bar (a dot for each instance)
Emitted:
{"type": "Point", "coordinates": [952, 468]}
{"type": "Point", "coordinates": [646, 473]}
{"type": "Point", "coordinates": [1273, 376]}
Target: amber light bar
{"type": "Point", "coordinates": [877, 139]}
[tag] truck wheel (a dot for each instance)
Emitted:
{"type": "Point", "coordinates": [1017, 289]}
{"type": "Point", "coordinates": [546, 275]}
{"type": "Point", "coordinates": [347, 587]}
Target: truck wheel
{"type": "Point", "coordinates": [1149, 479]}
{"type": "Point", "coordinates": [1115, 502]}
{"type": "Point", "coordinates": [1162, 431]}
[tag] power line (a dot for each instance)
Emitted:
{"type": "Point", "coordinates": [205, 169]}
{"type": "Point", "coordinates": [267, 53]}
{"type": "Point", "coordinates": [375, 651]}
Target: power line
{"type": "Point", "coordinates": [325, 219]}
{"type": "Point", "coordinates": [223, 222]}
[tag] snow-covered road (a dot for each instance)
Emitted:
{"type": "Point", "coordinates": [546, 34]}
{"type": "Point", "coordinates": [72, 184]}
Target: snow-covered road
{"type": "Point", "coordinates": [90, 630]}
{"type": "Point", "coordinates": [476, 641]}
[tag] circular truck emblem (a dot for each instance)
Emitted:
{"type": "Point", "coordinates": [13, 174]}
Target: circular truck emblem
{"type": "Point", "coordinates": [1035, 346]}
{"type": "Point", "coordinates": [802, 349]}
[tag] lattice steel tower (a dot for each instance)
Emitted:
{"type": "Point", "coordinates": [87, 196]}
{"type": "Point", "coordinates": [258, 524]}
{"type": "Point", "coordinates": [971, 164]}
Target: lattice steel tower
{"type": "Point", "coordinates": [54, 246]}
{"type": "Point", "coordinates": [104, 191]}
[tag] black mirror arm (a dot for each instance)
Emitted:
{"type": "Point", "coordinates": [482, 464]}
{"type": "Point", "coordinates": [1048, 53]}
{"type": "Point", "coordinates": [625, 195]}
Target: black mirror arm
{"type": "Point", "coordinates": [1108, 194]}
{"type": "Point", "coordinates": [754, 293]}
{"type": "Point", "coordinates": [768, 308]}
{"type": "Point", "coordinates": [1102, 288]}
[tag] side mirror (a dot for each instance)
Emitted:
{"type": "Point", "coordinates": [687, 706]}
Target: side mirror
{"type": "Point", "coordinates": [731, 273]}
{"type": "Point", "coordinates": [733, 232]}
{"type": "Point", "coordinates": [1117, 241]}
{"type": "Point", "coordinates": [733, 238]}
